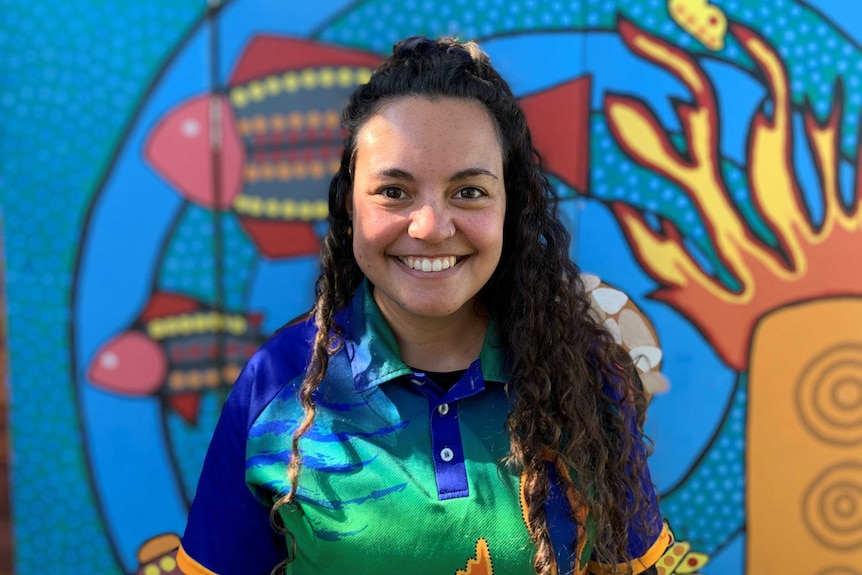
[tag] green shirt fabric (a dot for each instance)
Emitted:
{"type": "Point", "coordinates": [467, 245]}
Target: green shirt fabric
{"type": "Point", "coordinates": [399, 475]}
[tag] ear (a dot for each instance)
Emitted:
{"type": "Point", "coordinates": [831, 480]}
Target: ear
{"type": "Point", "coordinates": [348, 204]}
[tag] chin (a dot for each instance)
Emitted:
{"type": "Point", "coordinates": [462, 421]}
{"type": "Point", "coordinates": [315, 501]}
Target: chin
{"type": "Point", "coordinates": [430, 310]}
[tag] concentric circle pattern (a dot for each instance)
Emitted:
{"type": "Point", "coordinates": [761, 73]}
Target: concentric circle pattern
{"type": "Point", "coordinates": [829, 395]}
{"type": "Point", "coordinates": [832, 508]}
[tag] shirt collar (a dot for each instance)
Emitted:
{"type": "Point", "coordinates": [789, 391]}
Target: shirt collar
{"type": "Point", "coordinates": [373, 352]}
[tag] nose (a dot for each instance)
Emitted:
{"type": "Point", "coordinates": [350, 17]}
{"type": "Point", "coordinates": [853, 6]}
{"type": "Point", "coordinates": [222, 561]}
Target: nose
{"type": "Point", "coordinates": [431, 222]}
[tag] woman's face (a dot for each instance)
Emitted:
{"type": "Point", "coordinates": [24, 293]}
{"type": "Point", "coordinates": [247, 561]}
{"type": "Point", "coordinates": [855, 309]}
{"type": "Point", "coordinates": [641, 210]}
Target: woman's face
{"type": "Point", "coordinates": [427, 205]}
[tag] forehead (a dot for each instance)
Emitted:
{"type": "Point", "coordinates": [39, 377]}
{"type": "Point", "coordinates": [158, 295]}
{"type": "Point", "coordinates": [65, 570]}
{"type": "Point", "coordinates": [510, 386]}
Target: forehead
{"type": "Point", "coordinates": [445, 132]}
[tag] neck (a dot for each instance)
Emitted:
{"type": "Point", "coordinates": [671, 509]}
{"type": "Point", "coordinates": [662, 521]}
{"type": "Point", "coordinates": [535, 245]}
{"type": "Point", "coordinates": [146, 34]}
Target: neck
{"type": "Point", "coordinates": [438, 344]}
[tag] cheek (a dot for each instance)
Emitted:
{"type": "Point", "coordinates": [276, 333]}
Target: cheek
{"type": "Point", "coordinates": [487, 232]}
{"type": "Point", "coordinates": [377, 225]}
{"type": "Point", "coordinates": [370, 233]}
{"type": "Point", "coordinates": [371, 237]}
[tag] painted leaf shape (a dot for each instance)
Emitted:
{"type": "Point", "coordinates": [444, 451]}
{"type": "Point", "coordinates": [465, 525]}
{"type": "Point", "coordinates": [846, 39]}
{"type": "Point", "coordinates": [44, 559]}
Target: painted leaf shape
{"type": "Point", "coordinates": [634, 329]}
{"type": "Point", "coordinates": [611, 300]}
{"type": "Point", "coordinates": [648, 355]}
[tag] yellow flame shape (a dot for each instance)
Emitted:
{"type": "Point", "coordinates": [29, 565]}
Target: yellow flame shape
{"type": "Point", "coordinates": [809, 262]}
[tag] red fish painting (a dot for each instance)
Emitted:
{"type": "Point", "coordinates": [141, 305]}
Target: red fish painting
{"type": "Point", "coordinates": [172, 351]}
{"type": "Point", "coordinates": [281, 140]}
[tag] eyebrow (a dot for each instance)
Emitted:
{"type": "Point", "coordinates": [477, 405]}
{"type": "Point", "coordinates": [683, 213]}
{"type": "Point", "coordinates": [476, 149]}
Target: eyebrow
{"type": "Point", "coordinates": [400, 174]}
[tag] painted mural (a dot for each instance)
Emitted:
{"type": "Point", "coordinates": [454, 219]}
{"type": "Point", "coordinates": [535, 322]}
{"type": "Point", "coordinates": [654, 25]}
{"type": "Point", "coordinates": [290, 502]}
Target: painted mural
{"type": "Point", "coordinates": [165, 170]}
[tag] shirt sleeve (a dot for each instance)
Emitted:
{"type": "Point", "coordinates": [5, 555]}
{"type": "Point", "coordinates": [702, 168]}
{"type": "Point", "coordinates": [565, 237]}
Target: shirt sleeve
{"type": "Point", "coordinates": [649, 536]}
{"type": "Point", "coordinates": [228, 530]}
{"type": "Point", "coordinates": [645, 551]}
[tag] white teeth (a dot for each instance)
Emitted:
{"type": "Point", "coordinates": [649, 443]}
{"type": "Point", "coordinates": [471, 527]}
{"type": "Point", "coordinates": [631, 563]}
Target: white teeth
{"type": "Point", "coordinates": [429, 264]}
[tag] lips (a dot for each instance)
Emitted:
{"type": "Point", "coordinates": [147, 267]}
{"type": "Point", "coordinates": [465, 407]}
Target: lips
{"type": "Point", "coordinates": [429, 264]}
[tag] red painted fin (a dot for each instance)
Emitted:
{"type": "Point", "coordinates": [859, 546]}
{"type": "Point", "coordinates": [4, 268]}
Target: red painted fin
{"type": "Point", "coordinates": [168, 304]}
{"type": "Point", "coordinates": [559, 120]}
{"type": "Point", "coordinates": [186, 405]}
{"type": "Point", "coordinates": [255, 319]}
{"type": "Point", "coordinates": [272, 54]}
{"type": "Point", "coordinates": [280, 239]}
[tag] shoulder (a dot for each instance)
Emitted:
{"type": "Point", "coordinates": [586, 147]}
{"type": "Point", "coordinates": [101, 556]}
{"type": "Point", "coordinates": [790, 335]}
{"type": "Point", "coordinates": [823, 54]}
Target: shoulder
{"type": "Point", "coordinates": [277, 366]}
{"type": "Point", "coordinates": [287, 352]}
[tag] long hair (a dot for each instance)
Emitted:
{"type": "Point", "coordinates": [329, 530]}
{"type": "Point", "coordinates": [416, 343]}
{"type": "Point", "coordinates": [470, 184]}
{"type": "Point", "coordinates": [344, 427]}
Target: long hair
{"type": "Point", "coordinates": [571, 389]}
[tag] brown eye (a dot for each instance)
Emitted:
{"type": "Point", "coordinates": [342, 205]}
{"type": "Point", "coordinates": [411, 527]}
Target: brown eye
{"type": "Point", "coordinates": [470, 193]}
{"type": "Point", "coordinates": [393, 193]}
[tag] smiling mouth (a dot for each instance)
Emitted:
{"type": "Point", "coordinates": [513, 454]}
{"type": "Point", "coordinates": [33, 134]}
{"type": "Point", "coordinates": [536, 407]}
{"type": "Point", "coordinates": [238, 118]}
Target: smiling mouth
{"type": "Point", "coordinates": [429, 264]}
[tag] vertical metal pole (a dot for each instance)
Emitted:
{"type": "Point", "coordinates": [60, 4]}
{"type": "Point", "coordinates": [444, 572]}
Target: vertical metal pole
{"type": "Point", "coordinates": [216, 146]}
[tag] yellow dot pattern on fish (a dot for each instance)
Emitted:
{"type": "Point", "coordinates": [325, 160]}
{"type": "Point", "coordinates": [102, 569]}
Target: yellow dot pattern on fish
{"type": "Point", "coordinates": [195, 379]}
{"type": "Point", "coordinates": [254, 172]}
{"type": "Point", "coordinates": [194, 323]}
{"type": "Point", "coordinates": [291, 82]}
{"type": "Point", "coordinates": [260, 125]}
{"type": "Point", "coordinates": [274, 208]}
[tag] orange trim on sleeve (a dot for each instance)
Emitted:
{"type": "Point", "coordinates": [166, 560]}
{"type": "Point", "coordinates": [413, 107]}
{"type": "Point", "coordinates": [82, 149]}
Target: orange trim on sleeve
{"type": "Point", "coordinates": [642, 563]}
{"type": "Point", "coordinates": [189, 566]}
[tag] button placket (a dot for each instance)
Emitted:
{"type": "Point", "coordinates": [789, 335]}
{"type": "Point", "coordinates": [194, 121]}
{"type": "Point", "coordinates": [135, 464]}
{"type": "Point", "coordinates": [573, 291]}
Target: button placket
{"type": "Point", "coordinates": [447, 451]}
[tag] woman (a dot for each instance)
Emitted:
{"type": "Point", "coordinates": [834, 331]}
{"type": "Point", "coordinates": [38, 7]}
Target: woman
{"type": "Point", "coordinates": [450, 405]}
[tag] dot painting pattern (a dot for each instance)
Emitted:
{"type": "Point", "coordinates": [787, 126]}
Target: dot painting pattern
{"type": "Point", "coordinates": [707, 508]}
{"type": "Point", "coordinates": [69, 96]}
{"type": "Point", "coordinates": [66, 98]}
{"type": "Point", "coordinates": [188, 265]}
{"type": "Point", "coordinates": [815, 52]}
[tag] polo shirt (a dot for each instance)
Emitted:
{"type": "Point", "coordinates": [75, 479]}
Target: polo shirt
{"type": "Point", "coordinates": [399, 475]}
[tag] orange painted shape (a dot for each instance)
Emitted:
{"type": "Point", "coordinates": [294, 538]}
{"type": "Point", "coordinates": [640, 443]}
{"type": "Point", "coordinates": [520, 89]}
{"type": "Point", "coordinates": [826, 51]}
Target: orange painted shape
{"type": "Point", "coordinates": [481, 563]}
{"type": "Point", "coordinates": [804, 444]}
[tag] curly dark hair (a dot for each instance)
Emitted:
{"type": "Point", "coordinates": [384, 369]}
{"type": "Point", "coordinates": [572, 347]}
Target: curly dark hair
{"type": "Point", "coordinates": [573, 390]}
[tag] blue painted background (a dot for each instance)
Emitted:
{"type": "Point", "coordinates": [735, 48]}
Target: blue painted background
{"type": "Point", "coordinates": [91, 232]}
